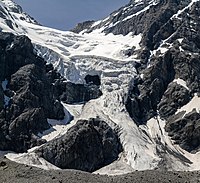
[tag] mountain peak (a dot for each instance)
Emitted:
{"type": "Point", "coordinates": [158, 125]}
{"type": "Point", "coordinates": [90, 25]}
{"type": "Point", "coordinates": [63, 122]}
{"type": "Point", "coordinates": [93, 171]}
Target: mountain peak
{"type": "Point", "coordinates": [11, 12]}
{"type": "Point", "coordinates": [128, 18]}
{"type": "Point", "coordinates": [12, 6]}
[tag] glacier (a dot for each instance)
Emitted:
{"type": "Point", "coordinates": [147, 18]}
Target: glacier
{"type": "Point", "coordinates": [96, 53]}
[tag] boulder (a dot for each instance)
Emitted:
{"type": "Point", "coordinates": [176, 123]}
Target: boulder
{"type": "Point", "coordinates": [88, 146]}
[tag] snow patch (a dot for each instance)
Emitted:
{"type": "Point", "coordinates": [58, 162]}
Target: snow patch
{"type": "Point", "coordinates": [151, 3]}
{"type": "Point", "coordinates": [181, 82]}
{"type": "Point", "coordinates": [31, 159]}
{"type": "Point", "coordinates": [119, 167]}
{"type": "Point", "coordinates": [60, 127]}
{"type": "Point", "coordinates": [180, 40]}
{"type": "Point", "coordinates": [185, 8]}
{"type": "Point", "coordinates": [193, 104]}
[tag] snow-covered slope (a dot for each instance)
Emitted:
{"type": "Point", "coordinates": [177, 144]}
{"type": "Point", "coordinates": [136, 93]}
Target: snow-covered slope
{"type": "Point", "coordinates": [114, 58]}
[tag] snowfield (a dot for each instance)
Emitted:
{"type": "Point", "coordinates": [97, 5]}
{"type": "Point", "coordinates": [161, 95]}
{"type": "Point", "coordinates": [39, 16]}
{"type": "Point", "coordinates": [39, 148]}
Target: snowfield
{"type": "Point", "coordinates": [75, 56]}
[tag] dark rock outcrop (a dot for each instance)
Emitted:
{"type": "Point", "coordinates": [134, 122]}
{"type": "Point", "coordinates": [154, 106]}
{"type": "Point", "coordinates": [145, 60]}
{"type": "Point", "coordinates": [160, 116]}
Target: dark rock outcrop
{"type": "Point", "coordinates": [71, 93]}
{"type": "Point", "coordinates": [95, 80]}
{"type": "Point", "coordinates": [82, 26]}
{"type": "Point", "coordinates": [30, 95]}
{"type": "Point", "coordinates": [170, 49]}
{"type": "Point", "coordinates": [33, 93]}
{"type": "Point", "coordinates": [185, 130]}
{"type": "Point", "coordinates": [88, 146]}
{"type": "Point", "coordinates": [174, 97]}
{"type": "Point", "coordinates": [149, 22]}
{"type": "Point", "coordinates": [146, 95]}
{"type": "Point", "coordinates": [156, 94]}
{"type": "Point", "coordinates": [79, 93]}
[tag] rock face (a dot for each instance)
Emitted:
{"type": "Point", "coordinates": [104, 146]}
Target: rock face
{"type": "Point", "coordinates": [1, 98]}
{"type": "Point", "coordinates": [169, 51]}
{"type": "Point", "coordinates": [147, 93]}
{"type": "Point", "coordinates": [31, 94]}
{"type": "Point", "coordinates": [15, 8]}
{"type": "Point", "coordinates": [185, 130]}
{"type": "Point", "coordinates": [88, 145]}
{"type": "Point", "coordinates": [71, 93]}
{"type": "Point", "coordinates": [27, 97]}
{"type": "Point", "coordinates": [133, 18]}
{"type": "Point", "coordinates": [174, 97]}
{"type": "Point", "coordinates": [95, 80]}
{"type": "Point", "coordinates": [81, 26]}
{"type": "Point", "coordinates": [79, 93]}
{"type": "Point", "coordinates": [157, 94]}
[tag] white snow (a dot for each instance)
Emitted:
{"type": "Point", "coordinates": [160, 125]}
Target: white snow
{"type": "Point", "coordinates": [60, 127]}
{"type": "Point", "coordinates": [180, 40]}
{"type": "Point", "coordinates": [181, 49]}
{"type": "Point", "coordinates": [118, 167]}
{"type": "Point", "coordinates": [151, 3]}
{"type": "Point", "coordinates": [193, 104]}
{"type": "Point", "coordinates": [138, 1]}
{"type": "Point", "coordinates": [31, 159]}
{"type": "Point", "coordinates": [96, 23]}
{"type": "Point", "coordinates": [126, 9]}
{"type": "Point", "coordinates": [9, 3]}
{"type": "Point", "coordinates": [163, 50]}
{"type": "Point", "coordinates": [155, 128]}
{"type": "Point", "coordinates": [185, 8]}
{"type": "Point", "coordinates": [95, 43]}
{"type": "Point", "coordinates": [181, 82]}
{"type": "Point", "coordinates": [194, 158]}
{"type": "Point", "coordinates": [100, 21]}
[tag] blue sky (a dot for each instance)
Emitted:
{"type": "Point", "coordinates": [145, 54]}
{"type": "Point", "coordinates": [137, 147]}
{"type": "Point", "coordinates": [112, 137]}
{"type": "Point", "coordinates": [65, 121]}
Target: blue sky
{"type": "Point", "coordinates": [65, 14]}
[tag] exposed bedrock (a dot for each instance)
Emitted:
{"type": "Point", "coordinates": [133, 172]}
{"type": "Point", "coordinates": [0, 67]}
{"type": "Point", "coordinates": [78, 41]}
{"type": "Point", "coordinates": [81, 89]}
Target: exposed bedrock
{"type": "Point", "coordinates": [82, 26]}
{"type": "Point", "coordinates": [159, 94]}
{"type": "Point", "coordinates": [93, 79]}
{"type": "Point", "coordinates": [79, 93]}
{"type": "Point", "coordinates": [149, 22]}
{"type": "Point", "coordinates": [146, 94]}
{"type": "Point", "coordinates": [185, 130]}
{"type": "Point", "coordinates": [27, 99]}
{"type": "Point", "coordinates": [174, 97]}
{"type": "Point", "coordinates": [31, 92]}
{"type": "Point", "coordinates": [1, 98]}
{"type": "Point", "coordinates": [170, 72]}
{"type": "Point", "coordinates": [88, 146]}
{"type": "Point", "coordinates": [72, 93]}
